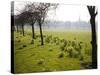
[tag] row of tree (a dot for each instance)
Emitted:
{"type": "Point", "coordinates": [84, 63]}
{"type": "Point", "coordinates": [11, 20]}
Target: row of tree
{"type": "Point", "coordinates": [32, 13]}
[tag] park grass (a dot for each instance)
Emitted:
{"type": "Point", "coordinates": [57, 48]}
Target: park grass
{"type": "Point", "coordinates": [30, 57]}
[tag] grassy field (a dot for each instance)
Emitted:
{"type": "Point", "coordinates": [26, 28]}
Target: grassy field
{"type": "Point", "coordinates": [61, 51]}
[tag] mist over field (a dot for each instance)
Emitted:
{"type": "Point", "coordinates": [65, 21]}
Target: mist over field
{"type": "Point", "coordinates": [64, 26]}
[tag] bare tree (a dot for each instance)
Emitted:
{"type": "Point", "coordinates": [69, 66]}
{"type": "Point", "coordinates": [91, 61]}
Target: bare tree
{"type": "Point", "coordinates": [16, 22]}
{"type": "Point", "coordinates": [35, 12]}
{"type": "Point", "coordinates": [93, 13]}
{"type": "Point", "coordinates": [22, 19]}
{"type": "Point", "coordinates": [31, 16]}
{"type": "Point", "coordinates": [41, 12]}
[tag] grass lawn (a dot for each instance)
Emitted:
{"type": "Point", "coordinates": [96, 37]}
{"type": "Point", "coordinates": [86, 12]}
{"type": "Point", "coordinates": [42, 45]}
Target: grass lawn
{"type": "Point", "coordinates": [32, 57]}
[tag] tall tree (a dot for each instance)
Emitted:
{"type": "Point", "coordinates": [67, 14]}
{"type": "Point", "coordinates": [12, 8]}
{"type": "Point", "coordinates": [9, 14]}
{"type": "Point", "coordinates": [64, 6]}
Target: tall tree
{"type": "Point", "coordinates": [35, 12]}
{"type": "Point", "coordinates": [16, 22]}
{"type": "Point", "coordinates": [93, 13]}
{"type": "Point", "coordinates": [31, 16]}
{"type": "Point", "coordinates": [41, 12]}
{"type": "Point", "coordinates": [23, 20]}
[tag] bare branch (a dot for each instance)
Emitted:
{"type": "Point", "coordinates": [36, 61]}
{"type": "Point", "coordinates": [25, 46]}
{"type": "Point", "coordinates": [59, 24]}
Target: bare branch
{"type": "Point", "coordinates": [92, 10]}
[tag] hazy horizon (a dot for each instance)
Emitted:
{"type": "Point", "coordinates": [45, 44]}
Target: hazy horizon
{"type": "Point", "coordinates": [63, 12]}
{"type": "Point", "coordinates": [64, 17]}
{"type": "Point", "coordinates": [63, 26]}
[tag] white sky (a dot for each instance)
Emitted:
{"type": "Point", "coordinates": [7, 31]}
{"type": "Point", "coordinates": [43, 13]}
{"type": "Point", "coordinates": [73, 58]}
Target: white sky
{"type": "Point", "coordinates": [63, 12]}
{"type": "Point", "coordinates": [71, 13]}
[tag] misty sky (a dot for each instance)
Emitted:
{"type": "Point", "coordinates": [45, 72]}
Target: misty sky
{"type": "Point", "coordinates": [62, 13]}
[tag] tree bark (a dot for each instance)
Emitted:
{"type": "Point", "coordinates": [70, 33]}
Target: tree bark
{"type": "Point", "coordinates": [93, 14]}
{"type": "Point", "coordinates": [42, 43]}
{"type": "Point", "coordinates": [33, 33]}
{"type": "Point", "coordinates": [23, 29]}
{"type": "Point", "coordinates": [94, 42]}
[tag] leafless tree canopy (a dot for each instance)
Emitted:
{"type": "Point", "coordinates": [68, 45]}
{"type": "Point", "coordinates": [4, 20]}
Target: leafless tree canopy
{"type": "Point", "coordinates": [34, 12]}
{"type": "Point", "coordinates": [92, 10]}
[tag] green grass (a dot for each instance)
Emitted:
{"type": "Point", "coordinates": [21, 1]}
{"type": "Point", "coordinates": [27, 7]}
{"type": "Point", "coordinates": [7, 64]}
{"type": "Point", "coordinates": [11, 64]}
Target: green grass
{"type": "Point", "coordinates": [36, 58]}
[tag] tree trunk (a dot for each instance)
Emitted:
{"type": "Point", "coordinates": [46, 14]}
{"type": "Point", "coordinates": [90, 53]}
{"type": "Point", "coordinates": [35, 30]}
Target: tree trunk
{"type": "Point", "coordinates": [42, 43]}
{"type": "Point", "coordinates": [33, 34]}
{"type": "Point", "coordinates": [20, 29]}
{"type": "Point", "coordinates": [93, 42]}
{"type": "Point", "coordinates": [23, 29]}
{"type": "Point", "coordinates": [93, 14]}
